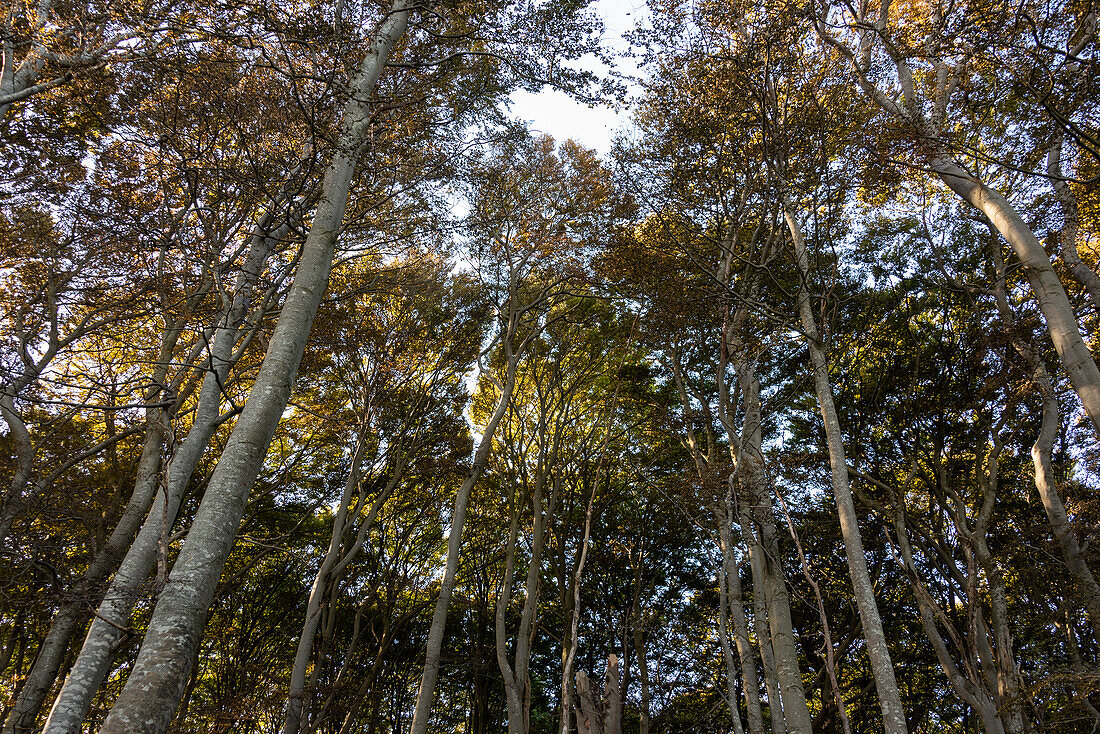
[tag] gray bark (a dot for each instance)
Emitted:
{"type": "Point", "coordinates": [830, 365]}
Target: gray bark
{"type": "Point", "coordinates": [612, 721]}
{"type": "Point", "coordinates": [72, 614]}
{"type": "Point", "coordinates": [1071, 220]}
{"type": "Point", "coordinates": [974, 696]}
{"type": "Point", "coordinates": [893, 715]}
{"type": "Point", "coordinates": [643, 679]}
{"type": "Point", "coordinates": [725, 603]}
{"type": "Point", "coordinates": [1045, 285]}
{"type": "Point", "coordinates": [760, 622]}
{"type": "Point", "coordinates": [749, 678]}
{"type": "Point", "coordinates": [1085, 588]}
{"type": "Point", "coordinates": [780, 631]}
{"type": "Point", "coordinates": [599, 716]}
{"type": "Point", "coordinates": [827, 643]}
{"type": "Point", "coordinates": [157, 681]}
{"type": "Point", "coordinates": [127, 586]}
{"type": "Point", "coordinates": [430, 675]}
{"type": "Point", "coordinates": [296, 695]}
{"type": "Point", "coordinates": [69, 619]}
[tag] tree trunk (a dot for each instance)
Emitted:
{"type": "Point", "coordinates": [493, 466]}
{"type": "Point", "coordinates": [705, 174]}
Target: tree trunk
{"type": "Point", "coordinates": [780, 628]}
{"type": "Point", "coordinates": [724, 604]}
{"type": "Point", "coordinates": [893, 715]}
{"type": "Point", "coordinates": [612, 698]}
{"type": "Point", "coordinates": [113, 615]}
{"type": "Point", "coordinates": [512, 695]}
{"type": "Point", "coordinates": [1045, 285]}
{"type": "Point", "coordinates": [454, 542]}
{"type": "Point", "coordinates": [294, 704]}
{"type": "Point", "coordinates": [1085, 588]}
{"type": "Point", "coordinates": [72, 615]}
{"type": "Point", "coordinates": [965, 684]}
{"type": "Point", "coordinates": [643, 680]}
{"type": "Point", "coordinates": [760, 621]}
{"type": "Point", "coordinates": [749, 680]}
{"type": "Point", "coordinates": [1071, 219]}
{"type": "Point", "coordinates": [69, 619]}
{"type": "Point", "coordinates": [156, 683]}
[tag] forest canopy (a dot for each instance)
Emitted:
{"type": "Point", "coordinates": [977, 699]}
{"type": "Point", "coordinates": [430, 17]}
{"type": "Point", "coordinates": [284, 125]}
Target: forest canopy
{"type": "Point", "coordinates": [337, 401]}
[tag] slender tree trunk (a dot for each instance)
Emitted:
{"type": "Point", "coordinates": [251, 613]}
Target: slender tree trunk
{"type": "Point", "coordinates": [643, 680]}
{"type": "Point", "coordinates": [294, 704]}
{"type": "Point", "coordinates": [72, 615]}
{"type": "Point", "coordinates": [760, 621]}
{"type": "Point", "coordinates": [964, 685]}
{"type": "Point", "coordinates": [1009, 702]}
{"type": "Point", "coordinates": [516, 678]}
{"type": "Point", "coordinates": [428, 680]}
{"type": "Point", "coordinates": [1006, 673]}
{"type": "Point", "coordinates": [69, 619]}
{"type": "Point", "coordinates": [1071, 220]}
{"type": "Point", "coordinates": [527, 628]}
{"type": "Point", "coordinates": [780, 627]}
{"type": "Point", "coordinates": [1085, 587]}
{"type": "Point", "coordinates": [826, 632]}
{"type": "Point", "coordinates": [893, 715]}
{"type": "Point", "coordinates": [575, 618]}
{"type": "Point", "coordinates": [160, 673]}
{"type": "Point", "coordinates": [512, 694]}
{"type": "Point", "coordinates": [724, 604]}
{"type": "Point", "coordinates": [747, 659]}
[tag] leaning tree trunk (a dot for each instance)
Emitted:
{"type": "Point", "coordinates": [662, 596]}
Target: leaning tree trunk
{"type": "Point", "coordinates": [296, 695]}
{"type": "Point", "coordinates": [1085, 588]}
{"type": "Point", "coordinates": [1045, 285]}
{"type": "Point", "coordinates": [156, 684]}
{"type": "Point", "coordinates": [893, 715]}
{"type": "Point", "coordinates": [454, 543]}
{"type": "Point", "coordinates": [125, 589]}
{"type": "Point", "coordinates": [72, 615]}
{"type": "Point", "coordinates": [1047, 288]}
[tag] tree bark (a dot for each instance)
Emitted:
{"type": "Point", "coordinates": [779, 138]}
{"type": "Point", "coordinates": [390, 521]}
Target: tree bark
{"type": "Point", "coordinates": [1071, 220]}
{"type": "Point", "coordinates": [126, 587]}
{"type": "Point", "coordinates": [430, 675]}
{"type": "Point", "coordinates": [72, 615]}
{"type": "Point", "coordinates": [160, 673]}
{"type": "Point", "coordinates": [1045, 285]}
{"type": "Point", "coordinates": [724, 604]}
{"type": "Point", "coordinates": [893, 714]}
{"type": "Point", "coordinates": [760, 621]}
{"type": "Point", "coordinates": [1085, 588]}
{"type": "Point", "coordinates": [294, 704]}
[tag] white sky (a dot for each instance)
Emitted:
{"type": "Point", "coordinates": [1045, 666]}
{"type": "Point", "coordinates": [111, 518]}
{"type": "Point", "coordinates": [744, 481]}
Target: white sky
{"type": "Point", "coordinates": [555, 113]}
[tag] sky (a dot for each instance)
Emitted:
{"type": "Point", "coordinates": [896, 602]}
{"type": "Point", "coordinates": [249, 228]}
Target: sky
{"type": "Point", "coordinates": [554, 113]}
